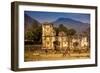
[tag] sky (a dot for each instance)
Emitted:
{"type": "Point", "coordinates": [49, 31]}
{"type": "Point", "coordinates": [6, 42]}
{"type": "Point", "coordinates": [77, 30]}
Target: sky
{"type": "Point", "coordinates": [53, 16]}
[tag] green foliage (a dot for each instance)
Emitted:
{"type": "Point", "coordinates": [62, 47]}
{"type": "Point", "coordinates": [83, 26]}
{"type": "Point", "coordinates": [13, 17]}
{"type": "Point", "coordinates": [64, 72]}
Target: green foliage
{"type": "Point", "coordinates": [63, 28]}
{"type": "Point", "coordinates": [37, 34]}
{"type": "Point", "coordinates": [57, 30]}
{"type": "Point", "coordinates": [34, 34]}
{"type": "Point", "coordinates": [71, 32]}
{"type": "Point", "coordinates": [28, 35]}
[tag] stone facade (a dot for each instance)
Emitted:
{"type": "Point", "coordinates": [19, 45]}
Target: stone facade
{"type": "Point", "coordinates": [49, 37]}
{"type": "Point", "coordinates": [62, 38]}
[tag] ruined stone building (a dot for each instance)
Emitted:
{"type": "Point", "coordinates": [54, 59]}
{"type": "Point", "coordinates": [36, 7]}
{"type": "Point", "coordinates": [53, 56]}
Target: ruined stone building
{"type": "Point", "coordinates": [49, 37]}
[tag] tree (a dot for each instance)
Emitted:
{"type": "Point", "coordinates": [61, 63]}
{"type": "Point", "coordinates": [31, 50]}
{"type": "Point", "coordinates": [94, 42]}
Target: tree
{"type": "Point", "coordinates": [60, 28]}
{"type": "Point", "coordinates": [37, 34]}
{"type": "Point", "coordinates": [34, 33]}
{"type": "Point", "coordinates": [70, 33]}
{"type": "Point", "coordinates": [28, 35]}
{"type": "Point", "coordinates": [63, 28]}
{"type": "Point", "coordinates": [57, 30]}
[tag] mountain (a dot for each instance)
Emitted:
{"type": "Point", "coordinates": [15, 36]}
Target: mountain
{"type": "Point", "coordinates": [68, 22]}
{"type": "Point", "coordinates": [30, 22]}
{"type": "Point", "coordinates": [71, 23]}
